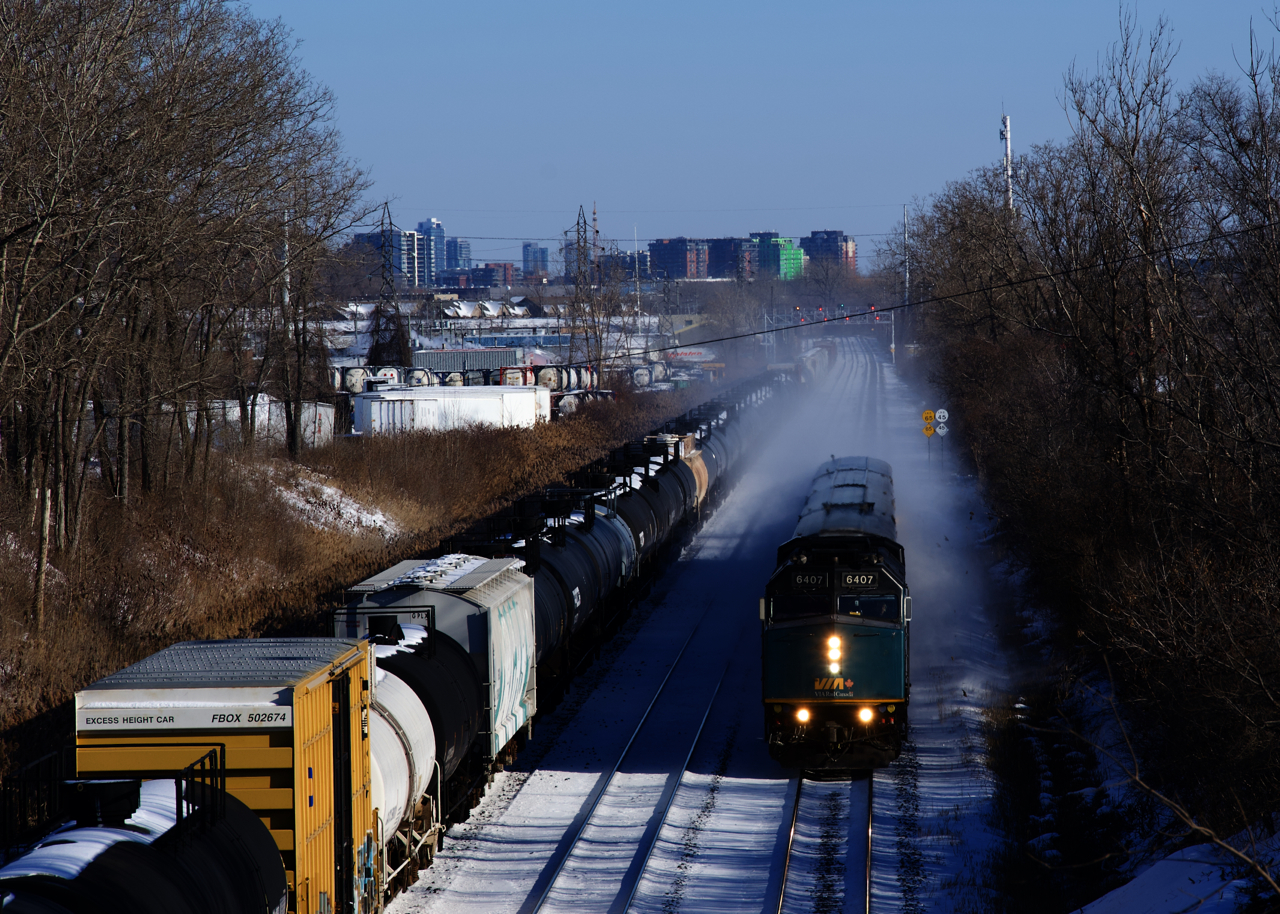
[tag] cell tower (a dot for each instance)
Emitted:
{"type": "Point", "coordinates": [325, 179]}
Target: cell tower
{"type": "Point", "coordinates": [1007, 135]}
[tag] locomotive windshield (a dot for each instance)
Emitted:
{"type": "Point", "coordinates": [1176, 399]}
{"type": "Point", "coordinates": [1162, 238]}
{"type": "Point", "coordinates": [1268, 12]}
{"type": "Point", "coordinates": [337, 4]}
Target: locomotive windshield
{"type": "Point", "coordinates": [878, 607]}
{"type": "Point", "coordinates": [800, 605]}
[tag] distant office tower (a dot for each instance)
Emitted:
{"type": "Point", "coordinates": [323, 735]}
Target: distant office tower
{"type": "Point", "coordinates": [832, 246]}
{"type": "Point", "coordinates": [410, 255]}
{"type": "Point", "coordinates": [433, 231]}
{"type": "Point", "coordinates": [730, 258]}
{"type": "Point", "coordinates": [536, 261]}
{"type": "Point", "coordinates": [457, 254]}
{"type": "Point", "coordinates": [678, 258]}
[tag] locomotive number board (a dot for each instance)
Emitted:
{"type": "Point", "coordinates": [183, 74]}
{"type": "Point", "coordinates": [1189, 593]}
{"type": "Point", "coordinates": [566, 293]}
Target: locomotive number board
{"type": "Point", "coordinates": [810, 580]}
{"type": "Point", "coordinates": [859, 580]}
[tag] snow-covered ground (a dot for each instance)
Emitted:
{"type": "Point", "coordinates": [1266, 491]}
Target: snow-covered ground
{"type": "Point", "coordinates": [323, 504]}
{"type": "Point", "coordinates": [718, 847]}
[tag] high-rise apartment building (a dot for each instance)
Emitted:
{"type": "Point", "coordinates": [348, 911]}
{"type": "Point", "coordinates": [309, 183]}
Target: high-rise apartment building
{"type": "Point", "coordinates": [433, 231]}
{"type": "Point", "coordinates": [831, 246]}
{"type": "Point", "coordinates": [730, 258]}
{"type": "Point", "coordinates": [457, 254]}
{"type": "Point", "coordinates": [536, 261]}
{"type": "Point", "coordinates": [779, 257]}
{"type": "Point", "coordinates": [493, 275]}
{"type": "Point", "coordinates": [678, 258]}
{"type": "Point", "coordinates": [410, 256]}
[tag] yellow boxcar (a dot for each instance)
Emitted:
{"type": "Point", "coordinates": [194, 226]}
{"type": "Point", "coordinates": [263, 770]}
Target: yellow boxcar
{"type": "Point", "coordinates": [289, 717]}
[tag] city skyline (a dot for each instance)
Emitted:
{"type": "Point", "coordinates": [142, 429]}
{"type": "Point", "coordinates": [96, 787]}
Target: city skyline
{"type": "Point", "coordinates": [744, 118]}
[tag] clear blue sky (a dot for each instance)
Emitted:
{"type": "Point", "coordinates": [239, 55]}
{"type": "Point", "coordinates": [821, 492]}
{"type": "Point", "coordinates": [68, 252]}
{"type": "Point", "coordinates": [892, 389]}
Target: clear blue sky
{"type": "Point", "coordinates": [705, 118]}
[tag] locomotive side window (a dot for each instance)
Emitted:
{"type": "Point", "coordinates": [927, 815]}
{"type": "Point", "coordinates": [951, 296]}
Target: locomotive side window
{"type": "Point", "coordinates": [871, 606]}
{"type": "Point", "coordinates": [800, 605]}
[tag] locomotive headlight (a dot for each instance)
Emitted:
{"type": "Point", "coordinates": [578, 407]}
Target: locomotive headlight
{"type": "Point", "coordinates": [833, 648]}
{"type": "Point", "coordinates": [803, 715]}
{"type": "Point", "coordinates": [835, 668]}
{"type": "Point", "coordinates": [866, 715]}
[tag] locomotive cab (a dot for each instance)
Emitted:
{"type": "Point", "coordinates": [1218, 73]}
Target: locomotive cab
{"type": "Point", "coordinates": [836, 645]}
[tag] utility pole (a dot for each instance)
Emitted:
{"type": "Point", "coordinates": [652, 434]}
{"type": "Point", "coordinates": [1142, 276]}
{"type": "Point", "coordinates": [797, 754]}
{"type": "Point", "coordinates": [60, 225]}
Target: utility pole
{"type": "Point", "coordinates": [1006, 134]}
{"type": "Point", "coordinates": [595, 245]}
{"type": "Point", "coordinates": [770, 339]}
{"type": "Point", "coordinates": [906, 288]}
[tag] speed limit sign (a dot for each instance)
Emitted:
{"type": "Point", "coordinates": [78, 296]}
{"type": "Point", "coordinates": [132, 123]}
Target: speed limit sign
{"type": "Point", "coordinates": [927, 415]}
{"type": "Point", "coordinates": [942, 415]}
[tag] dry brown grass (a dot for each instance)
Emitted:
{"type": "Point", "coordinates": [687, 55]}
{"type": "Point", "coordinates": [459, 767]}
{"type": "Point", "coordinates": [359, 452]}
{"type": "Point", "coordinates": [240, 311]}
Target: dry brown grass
{"type": "Point", "coordinates": [229, 557]}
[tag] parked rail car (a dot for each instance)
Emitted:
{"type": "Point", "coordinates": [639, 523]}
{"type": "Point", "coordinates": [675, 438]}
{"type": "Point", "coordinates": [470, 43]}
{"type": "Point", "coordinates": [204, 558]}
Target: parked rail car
{"type": "Point", "coordinates": [289, 718]}
{"type": "Point", "coordinates": [349, 755]}
{"type": "Point", "coordinates": [128, 851]}
{"type": "Point", "coordinates": [836, 626]}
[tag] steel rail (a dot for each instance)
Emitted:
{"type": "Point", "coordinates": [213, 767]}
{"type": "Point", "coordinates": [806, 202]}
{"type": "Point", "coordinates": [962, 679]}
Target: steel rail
{"type": "Point", "coordinates": [791, 840]}
{"type": "Point", "coordinates": [664, 804]}
{"type": "Point", "coordinates": [870, 788]}
{"type": "Point", "coordinates": [791, 836]}
{"type": "Point", "coordinates": [597, 793]}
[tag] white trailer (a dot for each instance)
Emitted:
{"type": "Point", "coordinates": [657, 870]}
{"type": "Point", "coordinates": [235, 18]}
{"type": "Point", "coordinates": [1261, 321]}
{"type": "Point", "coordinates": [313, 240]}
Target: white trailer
{"type": "Point", "coordinates": [391, 410]}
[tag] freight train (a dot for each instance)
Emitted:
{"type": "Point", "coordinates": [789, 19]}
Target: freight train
{"type": "Point", "coordinates": [836, 626]}
{"type": "Point", "coordinates": [316, 775]}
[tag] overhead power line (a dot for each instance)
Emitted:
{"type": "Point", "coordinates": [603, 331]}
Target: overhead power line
{"type": "Point", "coordinates": [1013, 283]}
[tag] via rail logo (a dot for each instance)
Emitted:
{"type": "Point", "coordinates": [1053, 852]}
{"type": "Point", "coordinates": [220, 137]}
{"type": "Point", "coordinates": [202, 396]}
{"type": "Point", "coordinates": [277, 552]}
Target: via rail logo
{"type": "Point", "coordinates": [822, 684]}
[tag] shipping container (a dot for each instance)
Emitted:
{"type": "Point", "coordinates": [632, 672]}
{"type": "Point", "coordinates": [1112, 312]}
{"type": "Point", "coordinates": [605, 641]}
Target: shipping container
{"type": "Point", "coordinates": [466, 359]}
{"type": "Point", "coordinates": [289, 719]}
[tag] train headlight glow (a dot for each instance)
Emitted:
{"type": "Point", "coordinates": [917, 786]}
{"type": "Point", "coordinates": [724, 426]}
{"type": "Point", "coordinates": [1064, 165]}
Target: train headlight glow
{"type": "Point", "coordinates": [803, 715]}
{"type": "Point", "coordinates": [833, 648]}
{"type": "Point", "coordinates": [866, 715]}
{"type": "Point", "coordinates": [835, 668]}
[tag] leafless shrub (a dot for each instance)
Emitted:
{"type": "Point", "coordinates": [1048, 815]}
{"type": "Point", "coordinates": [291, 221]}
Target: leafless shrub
{"type": "Point", "coordinates": [233, 558]}
{"type": "Point", "coordinates": [1113, 345]}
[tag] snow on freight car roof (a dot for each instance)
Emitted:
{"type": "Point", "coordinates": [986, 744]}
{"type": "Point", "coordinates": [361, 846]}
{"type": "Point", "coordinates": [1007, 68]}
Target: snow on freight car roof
{"type": "Point", "coordinates": [256, 662]}
{"type": "Point", "coordinates": [454, 573]}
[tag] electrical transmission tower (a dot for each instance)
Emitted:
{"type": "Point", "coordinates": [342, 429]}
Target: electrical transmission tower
{"type": "Point", "coordinates": [583, 266]}
{"type": "Point", "coordinates": [389, 340]}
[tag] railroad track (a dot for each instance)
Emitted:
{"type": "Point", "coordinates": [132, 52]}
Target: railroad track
{"type": "Point", "coordinates": [826, 864]}
{"type": "Point", "coordinates": [611, 841]}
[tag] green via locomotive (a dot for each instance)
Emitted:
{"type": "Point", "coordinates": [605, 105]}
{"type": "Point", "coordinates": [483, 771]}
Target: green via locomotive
{"type": "Point", "coordinates": [836, 626]}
